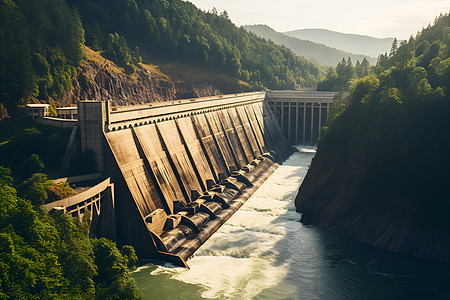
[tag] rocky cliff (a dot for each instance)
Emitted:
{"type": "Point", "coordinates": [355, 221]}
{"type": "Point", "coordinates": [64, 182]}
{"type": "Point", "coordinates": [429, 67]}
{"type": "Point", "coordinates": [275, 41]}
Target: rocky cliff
{"type": "Point", "coordinates": [339, 198]}
{"type": "Point", "coordinates": [99, 78]}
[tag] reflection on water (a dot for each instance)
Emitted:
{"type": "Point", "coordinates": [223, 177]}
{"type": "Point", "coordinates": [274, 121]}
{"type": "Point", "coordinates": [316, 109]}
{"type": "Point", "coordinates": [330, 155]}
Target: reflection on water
{"type": "Point", "coordinates": [264, 252]}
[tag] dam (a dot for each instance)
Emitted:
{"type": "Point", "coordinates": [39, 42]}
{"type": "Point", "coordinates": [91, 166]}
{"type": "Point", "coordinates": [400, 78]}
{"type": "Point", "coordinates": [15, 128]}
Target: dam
{"type": "Point", "coordinates": [301, 114]}
{"type": "Point", "coordinates": [178, 170]}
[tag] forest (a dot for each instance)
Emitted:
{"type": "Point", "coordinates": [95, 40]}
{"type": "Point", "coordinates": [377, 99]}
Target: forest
{"type": "Point", "coordinates": [50, 256]}
{"type": "Point", "coordinates": [177, 30]}
{"type": "Point", "coordinates": [341, 78]}
{"type": "Point", "coordinates": [40, 50]}
{"type": "Point", "coordinates": [41, 45]}
{"type": "Point", "coordinates": [395, 126]}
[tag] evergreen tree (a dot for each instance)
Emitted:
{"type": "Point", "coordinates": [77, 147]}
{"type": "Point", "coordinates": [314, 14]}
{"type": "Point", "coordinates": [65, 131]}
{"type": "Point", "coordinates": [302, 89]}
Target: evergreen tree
{"type": "Point", "coordinates": [398, 114]}
{"type": "Point", "coordinates": [41, 44]}
{"type": "Point", "coordinates": [52, 257]}
{"type": "Point", "coordinates": [394, 47]}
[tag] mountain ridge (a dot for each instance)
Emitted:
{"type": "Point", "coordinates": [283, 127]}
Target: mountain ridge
{"type": "Point", "coordinates": [317, 52]}
{"type": "Point", "coordinates": [349, 42]}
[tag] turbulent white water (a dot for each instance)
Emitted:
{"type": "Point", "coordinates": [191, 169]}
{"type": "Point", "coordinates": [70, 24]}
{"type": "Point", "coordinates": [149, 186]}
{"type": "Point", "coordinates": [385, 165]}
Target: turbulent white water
{"type": "Point", "coordinates": [248, 253]}
{"type": "Point", "coordinates": [264, 252]}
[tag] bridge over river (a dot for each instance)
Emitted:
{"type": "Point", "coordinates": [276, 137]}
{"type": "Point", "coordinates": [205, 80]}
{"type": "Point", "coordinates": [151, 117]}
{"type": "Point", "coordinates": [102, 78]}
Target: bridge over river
{"type": "Point", "coordinates": [171, 174]}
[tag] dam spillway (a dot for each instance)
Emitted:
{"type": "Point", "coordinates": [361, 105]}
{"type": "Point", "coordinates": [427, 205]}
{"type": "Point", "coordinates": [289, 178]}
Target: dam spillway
{"type": "Point", "coordinates": [301, 114]}
{"type": "Point", "coordinates": [181, 169]}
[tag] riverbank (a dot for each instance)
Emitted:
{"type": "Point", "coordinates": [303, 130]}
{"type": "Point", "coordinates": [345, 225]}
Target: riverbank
{"type": "Point", "coordinates": [264, 252]}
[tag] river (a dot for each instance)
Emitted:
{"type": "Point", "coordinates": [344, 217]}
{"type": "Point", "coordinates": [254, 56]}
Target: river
{"type": "Point", "coordinates": [264, 252]}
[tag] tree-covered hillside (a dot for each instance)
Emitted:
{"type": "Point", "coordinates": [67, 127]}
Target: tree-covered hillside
{"type": "Point", "coordinates": [342, 78]}
{"type": "Point", "coordinates": [177, 30]}
{"type": "Point", "coordinates": [42, 43]}
{"type": "Point", "coordinates": [381, 170]}
{"type": "Point", "coordinates": [40, 49]}
{"type": "Point", "coordinates": [51, 257]}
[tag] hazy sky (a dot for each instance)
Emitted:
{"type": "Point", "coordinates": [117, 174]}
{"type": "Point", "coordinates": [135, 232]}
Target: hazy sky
{"type": "Point", "coordinates": [379, 18]}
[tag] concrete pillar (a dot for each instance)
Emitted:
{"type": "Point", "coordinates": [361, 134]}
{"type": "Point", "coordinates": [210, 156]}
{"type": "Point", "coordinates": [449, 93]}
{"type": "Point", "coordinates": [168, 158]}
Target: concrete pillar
{"type": "Point", "coordinates": [312, 123]}
{"type": "Point", "coordinates": [108, 113]}
{"type": "Point", "coordinates": [289, 124]}
{"type": "Point", "coordinates": [107, 220]}
{"type": "Point", "coordinates": [320, 116]}
{"type": "Point", "coordinates": [304, 123]}
{"type": "Point", "coordinates": [296, 123]}
{"type": "Point", "coordinates": [92, 116]}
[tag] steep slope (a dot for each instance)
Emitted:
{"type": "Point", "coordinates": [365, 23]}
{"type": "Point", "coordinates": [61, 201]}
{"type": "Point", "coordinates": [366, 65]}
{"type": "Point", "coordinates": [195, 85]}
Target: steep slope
{"type": "Point", "coordinates": [316, 52]}
{"type": "Point", "coordinates": [99, 78]}
{"type": "Point", "coordinates": [42, 52]}
{"type": "Point", "coordinates": [380, 174]}
{"type": "Point", "coordinates": [177, 30]}
{"type": "Point", "coordinates": [352, 43]}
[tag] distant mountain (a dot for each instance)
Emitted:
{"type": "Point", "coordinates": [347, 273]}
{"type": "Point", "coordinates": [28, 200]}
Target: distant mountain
{"type": "Point", "coordinates": [319, 53]}
{"type": "Point", "coordinates": [352, 43]}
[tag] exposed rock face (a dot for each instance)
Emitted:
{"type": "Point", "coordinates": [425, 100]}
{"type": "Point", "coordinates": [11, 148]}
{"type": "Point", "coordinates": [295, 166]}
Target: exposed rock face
{"type": "Point", "coordinates": [101, 82]}
{"type": "Point", "coordinates": [101, 79]}
{"type": "Point", "coordinates": [338, 198]}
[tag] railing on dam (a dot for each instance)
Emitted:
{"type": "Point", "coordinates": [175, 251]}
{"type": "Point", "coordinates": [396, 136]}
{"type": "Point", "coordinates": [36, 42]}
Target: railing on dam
{"type": "Point", "coordinates": [138, 115]}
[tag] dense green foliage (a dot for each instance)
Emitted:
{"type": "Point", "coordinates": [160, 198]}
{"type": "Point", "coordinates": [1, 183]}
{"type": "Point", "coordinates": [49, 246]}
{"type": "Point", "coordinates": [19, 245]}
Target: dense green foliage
{"type": "Point", "coordinates": [344, 75]}
{"type": "Point", "coordinates": [27, 148]}
{"type": "Point", "coordinates": [31, 151]}
{"type": "Point", "coordinates": [44, 256]}
{"type": "Point", "coordinates": [40, 48]}
{"type": "Point", "coordinates": [42, 42]}
{"type": "Point", "coordinates": [397, 120]}
{"type": "Point", "coordinates": [177, 30]}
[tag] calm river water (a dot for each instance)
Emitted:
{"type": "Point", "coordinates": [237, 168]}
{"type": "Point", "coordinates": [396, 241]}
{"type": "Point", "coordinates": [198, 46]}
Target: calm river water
{"type": "Point", "coordinates": [264, 252]}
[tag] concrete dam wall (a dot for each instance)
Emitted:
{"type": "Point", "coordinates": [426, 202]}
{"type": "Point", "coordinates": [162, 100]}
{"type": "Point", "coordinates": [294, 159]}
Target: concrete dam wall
{"type": "Point", "coordinates": [181, 169]}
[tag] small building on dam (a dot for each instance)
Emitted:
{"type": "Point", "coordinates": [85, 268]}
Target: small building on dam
{"type": "Point", "coordinates": [170, 174]}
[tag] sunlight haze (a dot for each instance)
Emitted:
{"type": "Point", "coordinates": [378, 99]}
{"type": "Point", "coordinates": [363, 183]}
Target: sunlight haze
{"type": "Point", "coordinates": [381, 18]}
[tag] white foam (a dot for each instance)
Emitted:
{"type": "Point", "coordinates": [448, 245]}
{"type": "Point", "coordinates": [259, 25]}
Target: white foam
{"type": "Point", "coordinates": [230, 277]}
{"type": "Point", "coordinates": [139, 269]}
{"type": "Point", "coordinates": [167, 269]}
{"type": "Point", "coordinates": [310, 149]}
{"type": "Point", "coordinates": [249, 253]}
